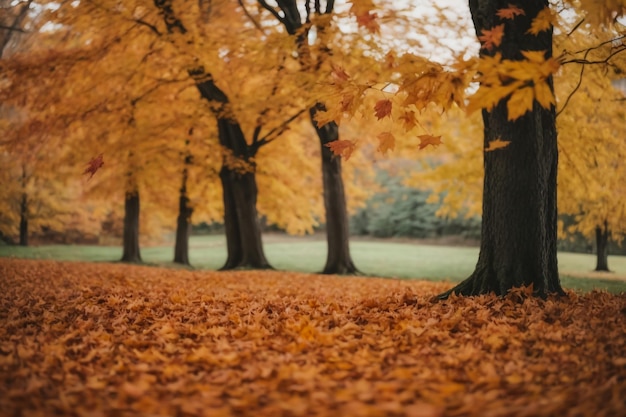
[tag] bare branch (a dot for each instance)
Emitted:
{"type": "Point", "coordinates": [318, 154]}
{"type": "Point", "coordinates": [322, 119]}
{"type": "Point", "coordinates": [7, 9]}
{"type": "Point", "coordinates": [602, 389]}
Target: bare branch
{"type": "Point", "coordinates": [273, 11]}
{"type": "Point", "coordinates": [252, 19]}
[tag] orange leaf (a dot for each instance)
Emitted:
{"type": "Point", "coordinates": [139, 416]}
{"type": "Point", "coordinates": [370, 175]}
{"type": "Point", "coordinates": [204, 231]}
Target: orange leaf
{"type": "Point", "coordinates": [342, 148]}
{"type": "Point", "coordinates": [339, 73]}
{"type": "Point", "coordinates": [497, 144]}
{"type": "Point", "coordinates": [510, 12]}
{"type": "Point", "coordinates": [382, 108]}
{"type": "Point", "coordinates": [491, 38]}
{"type": "Point", "coordinates": [368, 21]}
{"type": "Point", "coordinates": [409, 120]}
{"type": "Point", "coordinates": [386, 142]}
{"type": "Point", "coordinates": [94, 165]}
{"type": "Point", "coordinates": [426, 140]}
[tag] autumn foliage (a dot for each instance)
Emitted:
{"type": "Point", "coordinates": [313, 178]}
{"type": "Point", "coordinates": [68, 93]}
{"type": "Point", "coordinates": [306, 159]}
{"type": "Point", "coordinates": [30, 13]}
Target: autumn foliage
{"type": "Point", "coordinates": [105, 340]}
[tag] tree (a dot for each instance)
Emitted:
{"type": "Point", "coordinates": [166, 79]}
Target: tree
{"type": "Point", "coordinates": [591, 171]}
{"type": "Point", "coordinates": [299, 26]}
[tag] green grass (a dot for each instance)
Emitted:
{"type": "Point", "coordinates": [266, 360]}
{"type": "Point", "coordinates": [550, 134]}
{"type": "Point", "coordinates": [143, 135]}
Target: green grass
{"type": "Point", "coordinates": [376, 258]}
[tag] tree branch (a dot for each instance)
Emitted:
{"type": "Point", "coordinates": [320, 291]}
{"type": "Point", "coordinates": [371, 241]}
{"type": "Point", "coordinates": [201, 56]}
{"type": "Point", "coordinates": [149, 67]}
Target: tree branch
{"type": "Point", "coordinates": [273, 11]}
{"type": "Point", "coordinates": [252, 19]}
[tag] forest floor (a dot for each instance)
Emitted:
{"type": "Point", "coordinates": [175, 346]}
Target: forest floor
{"type": "Point", "coordinates": [99, 339]}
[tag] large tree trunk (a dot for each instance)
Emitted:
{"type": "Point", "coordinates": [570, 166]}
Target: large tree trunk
{"type": "Point", "coordinates": [131, 228]}
{"type": "Point", "coordinates": [518, 245]}
{"type": "Point", "coordinates": [241, 220]}
{"type": "Point", "coordinates": [24, 220]}
{"type": "Point", "coordinates": [602, 248]}
{"type": "Point", "coordinates": [338, 259]}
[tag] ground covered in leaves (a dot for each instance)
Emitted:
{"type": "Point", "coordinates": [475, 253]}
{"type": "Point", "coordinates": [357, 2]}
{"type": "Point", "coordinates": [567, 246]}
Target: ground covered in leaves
{"type": "Point", "coordinates": [116, 340]}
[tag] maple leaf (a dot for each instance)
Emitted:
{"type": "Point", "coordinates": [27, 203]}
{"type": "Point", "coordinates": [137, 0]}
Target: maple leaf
{"type": "Point", "coordinates": [408, 119]}
{"type": "Point", "coordinates": [544, 20]}
{"type": "Point", "coordinates": [369, 21]}
{"type": "Point", "coordinates": [342, 148]}
{"type": "Point", "coordinates": [382, 108]}
{"type": "Point", "coordinates": [510, 12]}
{"type": "Point", "coordinates": [520, 102]}
{"type": "Point", "coordinates": [94, 165]}
{"type": "Point", "coordinates": [426, 140]}
{"type": "Point", "coordinates": [386, 142]}
{"type": "Point", "coordinates": [497, 144]}
{"type": "Point", "coordinates": [492, 38]}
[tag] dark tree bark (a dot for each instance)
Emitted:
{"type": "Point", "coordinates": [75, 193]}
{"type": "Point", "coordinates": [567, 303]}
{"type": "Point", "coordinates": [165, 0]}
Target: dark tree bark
{"type": "Point", "coordinates": [131, 228]}
{"type": "Point", "coordinates": [518, 244]}
{"type": "Point", "coordinates": [338, 259]}
{"type": "Point", "coordinates": [24, 220]}
{"type": "Point", "coordinates": [183, 222]}
{"type": "Point", "coordinates": [241, 220]}
{"type": "Point", "coordinates": [23, 241]}
{"type": "Point", "coordinates": [243, 230]}
{"type": "Point", "coordinates": [602, 248]}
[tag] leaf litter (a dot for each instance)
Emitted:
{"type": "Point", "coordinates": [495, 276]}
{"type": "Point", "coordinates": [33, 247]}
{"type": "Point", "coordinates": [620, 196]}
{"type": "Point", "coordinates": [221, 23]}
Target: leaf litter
{"type": "Point", "coordinates": [115, 340]}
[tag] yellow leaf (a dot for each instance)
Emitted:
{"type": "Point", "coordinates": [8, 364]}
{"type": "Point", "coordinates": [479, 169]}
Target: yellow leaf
{"type": "Point", "coordinates": [520, 102]}
{"type": "Point", "coordinates": [497, 144]}
{"type": "Point", "coordinates": [386, 141]}
{"type": "Point", "coordinates": [544, 20]}
{"type": "Point", "coordinates": [543, 94]}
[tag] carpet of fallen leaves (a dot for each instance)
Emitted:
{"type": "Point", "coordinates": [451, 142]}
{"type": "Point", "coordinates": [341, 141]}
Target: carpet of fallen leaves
{"type": "Point", "coordinates": [115, 340]}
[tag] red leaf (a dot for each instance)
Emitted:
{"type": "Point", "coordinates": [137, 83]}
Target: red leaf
{"type": "Point", "coordinates": [94, 165]}
{"type": "Point", "coordinates": [426, 140]}
{"type": "Point", "coordinates": [382, 108]}
{"type": "Point", "coordinates": [510, 12]}
{"type": "Point", "coordinates": [491, 38]}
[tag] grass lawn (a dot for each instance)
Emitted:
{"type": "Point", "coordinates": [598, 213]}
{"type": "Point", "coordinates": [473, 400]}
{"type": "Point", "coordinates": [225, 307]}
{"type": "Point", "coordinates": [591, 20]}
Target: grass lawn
{"type": "Point", "coordinates": [376, 258]}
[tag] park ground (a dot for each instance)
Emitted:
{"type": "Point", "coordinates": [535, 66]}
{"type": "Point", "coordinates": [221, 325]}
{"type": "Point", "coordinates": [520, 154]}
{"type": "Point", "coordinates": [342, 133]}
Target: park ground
{"type": "Point", "coordinates": [448, 258]}
{"type": "Point", "coordinates": [102, 339]}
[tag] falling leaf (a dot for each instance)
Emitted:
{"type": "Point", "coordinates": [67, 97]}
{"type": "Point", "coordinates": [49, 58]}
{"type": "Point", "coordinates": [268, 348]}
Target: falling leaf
{"type": "Point", "coordinates": [426, 140]}
{"type": "Point", "coordinates": [544, 20]}
{"type": "Point", "coordinates": [386, 141]}
{"type": "Point", "coordinates": [382, 108]}
{"type": "Point", "coordinates": [510, 12]}
{"type": "Point", "coordinates": [492, 38]}
{"type": "Point", "coordinates": [342, 148]}
{"type": "Point", "coordinates": [497, 144]}
{"type": "Point", "coordinates": [94, 165]}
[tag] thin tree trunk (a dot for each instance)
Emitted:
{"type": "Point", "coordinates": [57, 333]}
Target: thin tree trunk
{"type": "Point", "coordinates": [338, 259]}
{"type": "Point", "coordinates": [602, 248]}
{"type": "Point", "coordinates": [131, 228]}
{"type": "Point", "coordinates": [183, 226]}
{"type": "Point", "coordinates": [24, 220]}
{"type": "Point", "coordinates": [518, 245]}
{"type": "Point", "coordinates": [183, 222]}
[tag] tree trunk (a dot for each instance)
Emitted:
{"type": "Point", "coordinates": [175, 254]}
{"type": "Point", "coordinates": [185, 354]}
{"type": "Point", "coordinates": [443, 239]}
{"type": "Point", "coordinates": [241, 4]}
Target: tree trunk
{"type": "Point", "coordinates": [518, 244]}
{"type": "Point", "coordinates": [24, 220]}
{"type": "Point", "coordinates": [338, 259]}
{"type": "Point", "coordinates": [241, 220]}
{"type": "Point", "coordinates": [183, 222]}
{"type": "Point", "coordinates": [602, 248]}
{"type": "Point", "coordinates": [183, 229]}
{"type": "Point", "coordinates": [131, 228]}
